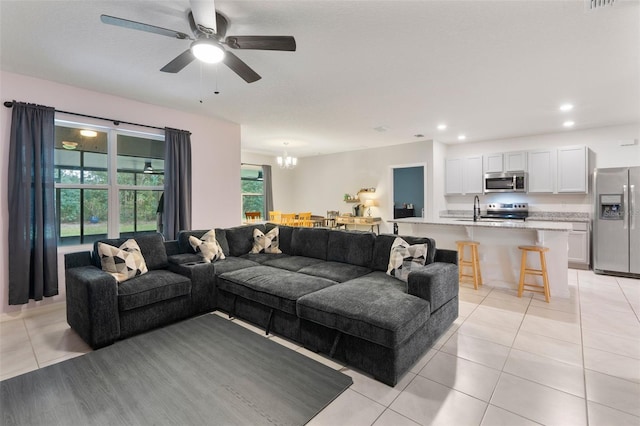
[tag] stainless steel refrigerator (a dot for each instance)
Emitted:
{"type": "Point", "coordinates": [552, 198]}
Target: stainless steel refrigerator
{"type": "Point", "coordinates": [616, 221]}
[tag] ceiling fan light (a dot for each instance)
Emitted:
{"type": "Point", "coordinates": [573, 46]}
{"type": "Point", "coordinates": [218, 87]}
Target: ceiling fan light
{"type": "Point", "coordinates": [207, 50]}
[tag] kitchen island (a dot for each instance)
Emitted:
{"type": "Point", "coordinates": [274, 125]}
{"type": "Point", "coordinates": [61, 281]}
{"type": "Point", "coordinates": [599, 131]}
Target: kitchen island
{"type": "Point", "coordinates": [498, 250]}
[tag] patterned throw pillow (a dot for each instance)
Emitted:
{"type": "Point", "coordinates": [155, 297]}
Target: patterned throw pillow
{"type": "Point", "coordinates": [122, 262]}
{"type": "Point", "coordinates": [266, 243]}
{"type": "Point", "coordinates": [404, 258]}
{"type": "Point", "coordinates": [207, 247]}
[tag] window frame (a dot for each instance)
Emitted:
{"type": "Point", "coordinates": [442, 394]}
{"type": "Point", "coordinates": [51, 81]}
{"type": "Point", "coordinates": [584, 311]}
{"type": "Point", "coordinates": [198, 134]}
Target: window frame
{"type": "Point", "coordinates": [251, 194]}
{"type": "Point", "coordinates": [112, 186]}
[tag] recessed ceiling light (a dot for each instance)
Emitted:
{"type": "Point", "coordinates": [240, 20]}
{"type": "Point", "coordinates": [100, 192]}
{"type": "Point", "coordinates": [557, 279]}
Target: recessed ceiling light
{"type": "Point", "coordinates": [381, 129]}
{"type": "Point", "coordinates": [462, 137]}
{"type": "Point", "coordinates": [89, 133]}
{"type": "Point", "coordinates": [568, 123]}
{"type": "Point", "coordinates": [566, 107]}
{"type": "Point", "coordinates": [442, 126]}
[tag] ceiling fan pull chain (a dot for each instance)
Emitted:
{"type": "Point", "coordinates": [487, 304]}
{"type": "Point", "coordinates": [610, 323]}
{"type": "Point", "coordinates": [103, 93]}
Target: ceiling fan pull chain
{"type": "Point", "coordinates": [217, 92]}
{"type": "Point", "coordinates": [200, 82]}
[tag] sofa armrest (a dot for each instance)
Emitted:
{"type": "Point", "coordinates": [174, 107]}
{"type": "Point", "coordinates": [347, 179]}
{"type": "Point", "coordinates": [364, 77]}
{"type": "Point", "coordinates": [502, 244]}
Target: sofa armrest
{"type": "Point", "coordinates": [172, 247]}
{"type": "Point", "coordinates": [446, 256]}
{"type": "Point", "coordinates": [436, 282]}
{"type": "Point", "coordinates": [92, 305]}
{"type": "Point", "coordinates": [203, 284]}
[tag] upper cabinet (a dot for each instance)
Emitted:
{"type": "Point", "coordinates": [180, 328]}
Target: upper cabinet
{"type": "Point", "coordinates": [505, 162]}
{"type": "Point", "coordinates": [572, 169]}
{"type": "Point", "coordinates": [542, 171]}
{"type": "Point", "coordinates": [463, 175]}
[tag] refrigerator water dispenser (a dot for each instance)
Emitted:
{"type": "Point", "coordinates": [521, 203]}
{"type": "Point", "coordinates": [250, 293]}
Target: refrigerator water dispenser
{"type": "Point", "coordinates": [611, 207]}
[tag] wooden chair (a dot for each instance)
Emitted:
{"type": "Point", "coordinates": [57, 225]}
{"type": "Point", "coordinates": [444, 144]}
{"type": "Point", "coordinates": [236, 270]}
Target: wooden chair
{"type": "Point", "coordinates": [252, 216]}
{"type": "Point", "coordinates": [288, 219]}
{"type": "Point", "coordinates": [304, 219]}
{"type": "Point", "coordinates": [330, 220]}
{"type": "Point", "coordinates": [275, 216]}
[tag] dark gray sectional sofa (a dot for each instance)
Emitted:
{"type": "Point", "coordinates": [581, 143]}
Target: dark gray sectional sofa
{"type": "Point", "coordinates": [327, 290]}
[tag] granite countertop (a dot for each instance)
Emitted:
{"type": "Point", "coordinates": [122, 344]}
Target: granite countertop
{"type": "Point", "coordinates": [533, 216]}
{"type": "Point", "coordinates": [487, 223]}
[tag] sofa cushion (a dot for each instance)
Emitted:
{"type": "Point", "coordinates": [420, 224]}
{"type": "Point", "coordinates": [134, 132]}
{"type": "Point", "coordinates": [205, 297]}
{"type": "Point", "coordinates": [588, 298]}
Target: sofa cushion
{"type": "Point", "coordinates": [355, 248]}
{"type": "Point", "coordinates": [266, 243]}
{"type": "Point", "coordinates": [240, 238]}
{"type": "Point", "coordinates": [276, 288]}
{"type": "Point", "coordinates": [122, 262]}
{"type": "Point", "coordinates": [374, 307]}
{"type": "Point", "coordinates": [155, 286]}
{"type": "Point", "coordinates": [404, 258]}
{"type": "Point", "coordinates": [151, 245]}
{"type": "Point", "coordinates": [233, 264]}
{"type": "Point", "coordinates": [382, 249]}
{"type": "Point", "coordinates": [185, 246]}
{"type": "Point", "coordinates": [286, 233]}
{"type": "Point", "coordinates": [263, 257]}
{"type": "Point", "coordinates": [291, 263]}
{"type": "Point", "coordinates": [310, 242]}
{"type": "Point", "coordinates": [335, 271]}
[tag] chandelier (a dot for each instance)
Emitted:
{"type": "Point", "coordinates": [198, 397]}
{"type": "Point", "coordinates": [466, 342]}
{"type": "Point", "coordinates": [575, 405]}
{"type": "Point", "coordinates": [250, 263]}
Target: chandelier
{"type": "Point", "coordinates": [286, 161]}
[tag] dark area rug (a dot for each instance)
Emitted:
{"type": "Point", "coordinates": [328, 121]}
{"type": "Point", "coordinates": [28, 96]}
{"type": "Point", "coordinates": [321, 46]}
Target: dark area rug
{"type": "Point", "coordinates": [204, 370]}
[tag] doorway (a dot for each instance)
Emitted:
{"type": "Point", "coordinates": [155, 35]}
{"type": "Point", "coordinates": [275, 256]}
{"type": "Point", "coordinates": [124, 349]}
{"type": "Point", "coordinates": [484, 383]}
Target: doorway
{"type": "Point", "coordinates": [408, 193]}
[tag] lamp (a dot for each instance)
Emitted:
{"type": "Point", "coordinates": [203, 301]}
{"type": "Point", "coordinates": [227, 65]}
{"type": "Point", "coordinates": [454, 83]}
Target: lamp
{"type": "Point", "coordinates": [147, 167]}
{"type": "Point", "coordinates": [286, 161]}
{"type": "Point", "coordinates": [207, 50]}
{"type": "Point", "coordinates": [369, 202]}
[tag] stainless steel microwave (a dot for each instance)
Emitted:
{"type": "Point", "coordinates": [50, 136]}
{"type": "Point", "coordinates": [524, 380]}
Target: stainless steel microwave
{"type": "Point", "coordinates": [505, 182]}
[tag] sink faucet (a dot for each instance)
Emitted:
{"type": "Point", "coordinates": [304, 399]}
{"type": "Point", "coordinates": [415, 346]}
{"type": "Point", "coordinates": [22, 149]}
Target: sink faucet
{"type": "Point", "coordinates": [476, 208]}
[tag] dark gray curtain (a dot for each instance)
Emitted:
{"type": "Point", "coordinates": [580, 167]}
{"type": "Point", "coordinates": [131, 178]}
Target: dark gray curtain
{"type": "Point", "coordinates": [268, 190]}
{"type": "Point", "coordinates": [33, 233]}
{"type": "Point", "coordinates": [177, 182]}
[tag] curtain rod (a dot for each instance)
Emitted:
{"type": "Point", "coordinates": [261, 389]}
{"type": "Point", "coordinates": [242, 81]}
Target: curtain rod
{"type": "Point", "coordinates": [9, 104]}
{"type": "Point", "coordinates": [251, 164]}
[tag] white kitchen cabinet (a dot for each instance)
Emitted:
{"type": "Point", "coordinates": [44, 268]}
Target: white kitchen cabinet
{"type": "Point", "coordinates": [493, 163]}
{"type": "Point", "coordinates": [463, 175]}
{"type": "Point", "coordinates": [579, 246]}
{"type": "Point", "coordinates": [505, 162]}
{"type": "Point", "coordinates": [572, 169]}
{"type": "Point", "coordinates": [515, 161]}
{"type": "Point", "coordinates": [541, 166]}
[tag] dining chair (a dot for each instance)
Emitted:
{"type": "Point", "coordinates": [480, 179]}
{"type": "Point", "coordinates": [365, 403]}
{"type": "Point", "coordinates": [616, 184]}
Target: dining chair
{"type": "Point", "coordinates": [304, 219]}
{"type": "Point", "coordinates": [330, 220]}
{"type": "Point", "coordinates": [275, 216]}
{"type": "Point", "coordinates": [288, 219]}
{"type": "Point", "coordinates": [252, 216]}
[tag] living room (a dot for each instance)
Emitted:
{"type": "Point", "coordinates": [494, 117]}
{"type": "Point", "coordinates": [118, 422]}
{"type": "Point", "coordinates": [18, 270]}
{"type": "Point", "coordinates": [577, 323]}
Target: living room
{"type": "Point", "coordinates": [318, 184]}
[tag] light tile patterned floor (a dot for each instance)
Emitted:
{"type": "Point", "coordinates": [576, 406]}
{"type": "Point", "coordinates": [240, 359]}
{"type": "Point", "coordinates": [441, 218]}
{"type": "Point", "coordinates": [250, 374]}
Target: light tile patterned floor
{"type": "Point", "coordinates": [505, 361]}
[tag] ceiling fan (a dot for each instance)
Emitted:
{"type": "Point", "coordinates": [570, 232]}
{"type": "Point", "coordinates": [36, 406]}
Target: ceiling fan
{"type": "Point", "coordinates": [209, 39]}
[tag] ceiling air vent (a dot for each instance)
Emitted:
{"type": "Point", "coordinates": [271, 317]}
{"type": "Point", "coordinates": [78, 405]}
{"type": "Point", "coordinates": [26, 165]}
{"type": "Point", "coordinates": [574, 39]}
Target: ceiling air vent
{"type": "Point", "coordinates": [597, 4]}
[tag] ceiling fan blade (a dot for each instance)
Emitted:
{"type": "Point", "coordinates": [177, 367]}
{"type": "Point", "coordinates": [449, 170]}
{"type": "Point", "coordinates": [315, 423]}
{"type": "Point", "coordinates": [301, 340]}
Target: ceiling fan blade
{"type": "Point", "coordinates": [204, 14]}
{"type": "Point", "coordinates": [180, 61]}
{"type": "Point", "coordinates": [222, 23]}
{"type": "Point", "coordinates": [240, 68]}
{"type": "Point", "coordinates": [125, 23]}
{"type": "Point", "coordinates": [286, 43]}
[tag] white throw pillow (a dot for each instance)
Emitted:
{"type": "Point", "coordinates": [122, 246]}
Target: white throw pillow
{"type": "Point", "coordinates": [404, 258]}
{"type": "Point", "coordinates": [266, 243]}
{"type": "Point", "coordinates": [207, 246]}
{"type": "Point", "coordinates": [122, 262]}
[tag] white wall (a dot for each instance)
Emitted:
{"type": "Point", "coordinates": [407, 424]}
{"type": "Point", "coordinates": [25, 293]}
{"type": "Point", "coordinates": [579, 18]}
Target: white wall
{"type": "Point", "coordinates": [319, 183]}
{"type": "Point", "coordinates": [215, 146]}
{"type": "Point", "coordinates": [603, 142]}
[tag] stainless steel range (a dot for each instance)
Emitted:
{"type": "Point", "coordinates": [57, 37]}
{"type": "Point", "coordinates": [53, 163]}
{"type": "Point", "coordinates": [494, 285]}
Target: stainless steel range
{"type": "Point", "coordinates": [507, 211]}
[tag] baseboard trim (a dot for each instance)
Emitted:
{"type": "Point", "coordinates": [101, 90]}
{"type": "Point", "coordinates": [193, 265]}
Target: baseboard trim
{"type": "Point", "coordinates": [30, 312]}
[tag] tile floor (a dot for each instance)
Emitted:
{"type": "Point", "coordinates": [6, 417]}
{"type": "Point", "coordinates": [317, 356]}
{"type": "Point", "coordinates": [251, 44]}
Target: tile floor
{"type": "Point", "coordinates": [505, 361]}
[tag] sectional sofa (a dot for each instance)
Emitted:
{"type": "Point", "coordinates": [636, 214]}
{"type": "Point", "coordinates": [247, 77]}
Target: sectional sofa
{"type": "Point", "coordinates": [328, 290]}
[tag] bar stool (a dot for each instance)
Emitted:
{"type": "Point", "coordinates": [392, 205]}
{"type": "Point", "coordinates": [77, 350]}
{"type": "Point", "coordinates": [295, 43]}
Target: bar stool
{"type": "Point", "coordinates": [473, 263]}
{"type": "Point", "coordinates": [542, 272]}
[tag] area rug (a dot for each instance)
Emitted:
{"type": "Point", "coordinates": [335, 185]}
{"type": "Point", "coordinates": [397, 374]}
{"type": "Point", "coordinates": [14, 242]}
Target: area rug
{"type": "Point", "coordinates": [202, 371]}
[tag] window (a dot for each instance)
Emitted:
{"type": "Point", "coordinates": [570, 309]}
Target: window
{"type": "Point", "coordinates": [108, 182]}
{"type": "Point", "coordinates": [252, 189]}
